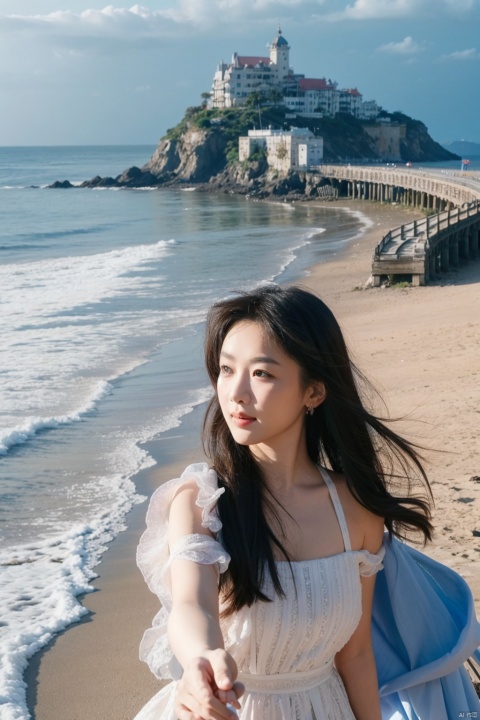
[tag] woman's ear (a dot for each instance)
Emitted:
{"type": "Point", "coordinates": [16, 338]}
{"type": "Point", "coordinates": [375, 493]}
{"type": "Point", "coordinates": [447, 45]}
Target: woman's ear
{"type": "Point", "coordinates": [316, 394]}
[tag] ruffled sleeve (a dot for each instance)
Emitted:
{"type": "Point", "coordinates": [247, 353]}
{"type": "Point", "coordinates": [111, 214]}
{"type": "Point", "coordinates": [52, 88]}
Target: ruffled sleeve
{"type": "Point", "coordinates": [371, 563]}
{"type": "Point", "coordinates": [154, 557]}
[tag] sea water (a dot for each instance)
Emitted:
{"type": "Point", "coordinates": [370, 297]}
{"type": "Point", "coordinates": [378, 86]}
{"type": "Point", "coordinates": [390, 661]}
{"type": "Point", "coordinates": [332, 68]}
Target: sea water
{"type": "Point", "coordinates": [103, 295]}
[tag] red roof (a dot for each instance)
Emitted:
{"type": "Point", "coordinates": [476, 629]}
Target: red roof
{"type": "Point", "coordinates": [252, 60]}
{"type": "Point", "coordinates": [353, 91]}
{"type": "Point", "coordinates": [314, 84]}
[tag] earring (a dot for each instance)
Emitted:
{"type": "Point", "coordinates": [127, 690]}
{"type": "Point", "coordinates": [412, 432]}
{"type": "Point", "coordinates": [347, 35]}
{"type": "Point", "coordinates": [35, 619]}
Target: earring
{"type": "Point", "coordinates": [310, 410]}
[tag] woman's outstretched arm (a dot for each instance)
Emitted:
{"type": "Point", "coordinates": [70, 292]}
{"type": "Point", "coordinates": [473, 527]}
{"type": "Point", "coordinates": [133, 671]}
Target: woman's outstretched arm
{"type": "Point", "coordinates": [209, 672]}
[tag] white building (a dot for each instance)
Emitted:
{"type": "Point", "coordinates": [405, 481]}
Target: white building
{"type": "Point", "coordinates": [297, 149]}
{"type": "Point", "coordinates": [313, 96]}
{"type": "Point", "coordinates": [350, 102]}
{"type": "Point", "coordinates": [370, 110]}
{"type": "Point", "coordinates": [246, 74]}
{"type": "Point", "coordinates": [274, 80]}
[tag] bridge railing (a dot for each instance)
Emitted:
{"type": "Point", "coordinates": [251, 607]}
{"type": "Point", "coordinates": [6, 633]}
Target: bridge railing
{"type": "Point", "coordinates": [451, 188]}
{"type": "Point", "coordinates": [430, 226]}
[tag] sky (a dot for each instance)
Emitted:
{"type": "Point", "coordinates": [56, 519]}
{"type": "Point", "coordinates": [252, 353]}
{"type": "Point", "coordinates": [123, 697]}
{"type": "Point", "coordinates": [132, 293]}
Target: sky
{"type": "Point", "coordinates": [80, 73]}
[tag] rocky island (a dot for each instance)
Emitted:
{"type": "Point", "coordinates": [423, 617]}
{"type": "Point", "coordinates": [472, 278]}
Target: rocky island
{"type": "Point", "coordinates": [202, 150]}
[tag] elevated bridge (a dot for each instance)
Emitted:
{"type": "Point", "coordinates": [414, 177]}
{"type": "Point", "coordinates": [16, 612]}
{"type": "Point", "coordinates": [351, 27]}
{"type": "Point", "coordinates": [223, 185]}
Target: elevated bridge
{"type": "Point", "coordinates": [423, 248]}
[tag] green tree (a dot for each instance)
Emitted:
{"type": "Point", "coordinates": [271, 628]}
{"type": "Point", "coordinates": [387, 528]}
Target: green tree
{"type": "Point", "coordinates": [275, 96]}
{"type": "Point", "coordinates": [256, 98]}
{"type": "Point", "coordinates": [205, 98]}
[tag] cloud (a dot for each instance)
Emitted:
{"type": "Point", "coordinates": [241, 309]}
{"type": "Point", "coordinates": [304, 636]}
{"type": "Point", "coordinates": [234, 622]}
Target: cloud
{"type": "Point", "coordinates": [407, 46]}
{"type": "Point", "coordinates": [389, 9]}
{"type": "Point", "coordinates": [470, 54]}
{"type": "Point", "coordinates": [181, 15]}
{"type": "Point", "coordinates": [110, 21]}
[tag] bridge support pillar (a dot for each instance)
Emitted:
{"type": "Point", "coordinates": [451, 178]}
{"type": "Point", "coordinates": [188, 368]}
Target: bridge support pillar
{"type": "Point", "coordinates": [431, 266]}
{"type": "Point", "coordinates": [453, 250]}
{"type": "Point", "coordinates": [444, 256]}
{"type": "Point", "coordinates": [473, 242]}
{"type": "Point", "coordinates": [418, 280]}
{"type": "Point", "coordinates": [463, 245]}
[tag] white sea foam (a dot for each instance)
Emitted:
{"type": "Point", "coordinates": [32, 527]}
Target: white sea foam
{"type": "Point", "coordinates": [292, 252]}
{"type": "Point", "coordinates": [31, 426]}
{"type": "Point", "coordinates": [40, 581]}
{"type": "Point", "coordinates": [68, 326]}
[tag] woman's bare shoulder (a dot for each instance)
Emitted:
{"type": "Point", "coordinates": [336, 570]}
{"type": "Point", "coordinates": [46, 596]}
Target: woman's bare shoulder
{"type": "Point", "coordinates": [365, 527]}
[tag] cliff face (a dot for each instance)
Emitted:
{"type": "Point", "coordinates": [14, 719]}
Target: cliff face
{"type": "Point", "coordinates": [194, 157]}
{"type": "Point", "coordinates": [418, 146]}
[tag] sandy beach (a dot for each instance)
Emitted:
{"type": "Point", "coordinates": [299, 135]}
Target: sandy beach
{"type": "Point", "coordinates": [420, 348]}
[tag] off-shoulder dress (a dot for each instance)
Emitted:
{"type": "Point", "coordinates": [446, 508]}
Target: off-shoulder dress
{"type": "Point", "coordinates": [284, 649]}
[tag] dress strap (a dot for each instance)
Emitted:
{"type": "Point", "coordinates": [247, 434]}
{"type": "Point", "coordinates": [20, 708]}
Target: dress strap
{"type": "Point", "coordinates": [337, 507]}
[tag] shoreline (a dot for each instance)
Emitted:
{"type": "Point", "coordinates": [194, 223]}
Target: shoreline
{"type": "Point", "coordinates": [91, 670]}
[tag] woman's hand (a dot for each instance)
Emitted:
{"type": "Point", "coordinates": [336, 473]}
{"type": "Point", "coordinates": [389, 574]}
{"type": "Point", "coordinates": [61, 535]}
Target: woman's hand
{"type": "Point", "coordinates": [207, 685]}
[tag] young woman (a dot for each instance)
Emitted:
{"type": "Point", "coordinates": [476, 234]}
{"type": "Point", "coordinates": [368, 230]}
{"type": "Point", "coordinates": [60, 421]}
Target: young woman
{"type": "Point", "coordinates": [265, 562]}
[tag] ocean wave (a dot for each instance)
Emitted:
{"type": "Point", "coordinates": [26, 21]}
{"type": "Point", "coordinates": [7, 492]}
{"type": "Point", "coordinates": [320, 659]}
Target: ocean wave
{"type": "Point", "coordinates": [32, 426]}
{"type": "Point", "coordinates": [291, 254]}
{"type": "Point", "coordinates": [61, 234]}
{"type": "Point", "coordinates": [15, 247]}
{"type": "Point", "coordinates": [313, 232]}
{"type": "Point", "coordinates": [42, 580]}
{"type": "Point", "coordinates": [40, 585]}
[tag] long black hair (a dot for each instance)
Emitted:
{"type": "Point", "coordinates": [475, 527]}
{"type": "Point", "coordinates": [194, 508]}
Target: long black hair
{"type": "Point", "coordinates": [341, 435]}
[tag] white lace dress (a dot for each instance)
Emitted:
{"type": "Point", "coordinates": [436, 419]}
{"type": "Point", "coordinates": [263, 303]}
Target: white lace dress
{"type": "Point", "coordinates": [284, 649]}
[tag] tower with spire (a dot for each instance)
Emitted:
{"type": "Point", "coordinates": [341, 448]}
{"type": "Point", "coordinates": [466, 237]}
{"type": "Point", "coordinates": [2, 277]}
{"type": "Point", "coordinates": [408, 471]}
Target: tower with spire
{"type": "Point", "coordinates": [280, 57]}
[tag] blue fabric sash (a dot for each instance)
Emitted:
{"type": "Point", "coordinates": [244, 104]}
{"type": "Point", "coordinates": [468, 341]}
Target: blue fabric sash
{"type": "Point", "coordinates": [424, 628]}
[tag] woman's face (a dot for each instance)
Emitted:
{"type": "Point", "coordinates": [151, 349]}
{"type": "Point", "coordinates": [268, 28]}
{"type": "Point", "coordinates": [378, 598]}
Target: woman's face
{"type": "Point", "coordinates": [259, 388]}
